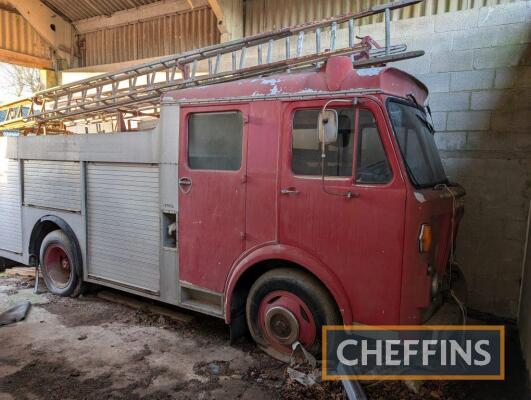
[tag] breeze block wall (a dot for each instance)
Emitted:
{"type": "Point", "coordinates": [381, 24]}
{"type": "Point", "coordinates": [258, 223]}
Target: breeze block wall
{"type": "Point", "coordinates": [478, 70]}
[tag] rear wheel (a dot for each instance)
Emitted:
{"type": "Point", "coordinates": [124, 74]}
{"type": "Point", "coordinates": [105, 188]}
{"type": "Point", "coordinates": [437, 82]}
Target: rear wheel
{"type": "Point", "coordinates": [57, 265]}
{"type": "Point", "coordinates": [3, 264]}
{"type": "Point", "coordinates": [286, 305]}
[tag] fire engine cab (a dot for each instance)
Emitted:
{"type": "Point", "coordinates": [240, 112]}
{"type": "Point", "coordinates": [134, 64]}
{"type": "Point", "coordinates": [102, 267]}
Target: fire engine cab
{"type": "Point", "coordinates": [324, 201]}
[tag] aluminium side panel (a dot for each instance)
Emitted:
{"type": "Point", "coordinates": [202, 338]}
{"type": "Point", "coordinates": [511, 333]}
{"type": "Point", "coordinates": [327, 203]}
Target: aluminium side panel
{"type": "Point", "coordinates": [123, 224]}
{"type": "Point", "coordinates": [52, 184]}
{"type": "Point", "coordinates": [10, 206]}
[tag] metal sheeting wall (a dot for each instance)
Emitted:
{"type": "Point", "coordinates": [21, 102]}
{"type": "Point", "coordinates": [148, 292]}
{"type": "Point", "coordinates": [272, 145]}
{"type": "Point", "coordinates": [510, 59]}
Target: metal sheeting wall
{"type": "Point", "coordinates": [52, 184]}
{"type": "Point", "coordinates": [10, 207]}
{"type": "Point", "coordinates": [265, 15]}
{"type": "Point", "coordinates": [155, 37]}
{"type": "Point", "coordinates": [123, 224]}
{"type": "Point", "coordinates": [17, 35]}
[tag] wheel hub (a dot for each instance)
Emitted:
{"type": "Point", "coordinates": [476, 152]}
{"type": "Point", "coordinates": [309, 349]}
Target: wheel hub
{"type": "Point", "coordinates": [281, 324]}
{"type": "Point", "coordinates": [284, 318]}
{"type": "Point", "coordinates": [57, 265]}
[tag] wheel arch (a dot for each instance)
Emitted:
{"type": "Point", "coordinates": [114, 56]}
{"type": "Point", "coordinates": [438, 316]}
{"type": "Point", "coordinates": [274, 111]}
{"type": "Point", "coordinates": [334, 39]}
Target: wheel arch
{"type": "Point", "coordinates": [45, 225]}
{"type": "Point", "coordinates": [253, 265]}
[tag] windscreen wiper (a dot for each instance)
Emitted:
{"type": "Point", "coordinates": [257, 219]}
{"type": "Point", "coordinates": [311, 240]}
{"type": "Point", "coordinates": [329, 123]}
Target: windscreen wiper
{"type": "Point", "coordinates": [426, 123]}
{"type": "Point", "coordinates": [413, 98]}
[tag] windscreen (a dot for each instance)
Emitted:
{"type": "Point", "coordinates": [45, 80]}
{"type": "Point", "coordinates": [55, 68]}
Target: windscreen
{"type": "Point", "coordinates": [417, 144]}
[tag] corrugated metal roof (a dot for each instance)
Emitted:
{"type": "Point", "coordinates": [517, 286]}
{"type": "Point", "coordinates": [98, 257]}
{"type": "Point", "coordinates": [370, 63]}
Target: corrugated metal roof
{"type": "Point", "coordinates": [155, 37]}
{"type": "Point", "coordinates": [81, 9]}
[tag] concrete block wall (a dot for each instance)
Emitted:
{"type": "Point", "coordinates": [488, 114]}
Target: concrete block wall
{"type": "Point", "coordinates": [478, 69]}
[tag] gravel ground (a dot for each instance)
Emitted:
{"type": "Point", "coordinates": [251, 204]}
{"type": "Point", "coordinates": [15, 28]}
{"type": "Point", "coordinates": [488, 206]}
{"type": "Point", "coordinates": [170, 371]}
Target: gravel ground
{"type": "Point", "coordinates": [88, 348]}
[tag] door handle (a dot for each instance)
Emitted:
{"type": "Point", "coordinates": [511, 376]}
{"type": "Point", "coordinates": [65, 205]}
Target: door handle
{"type": "Point", "coordinates": [185, 184]}
{"type": "Point", "coordinates": [290, 190]}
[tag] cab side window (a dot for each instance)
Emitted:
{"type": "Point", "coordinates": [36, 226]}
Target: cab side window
{"type": "Point", "coordinates": [306, 149]}
{"type": "Point", "coordinates": [371, 164]}
{"type": "Point", "coordinates": [215, 140]}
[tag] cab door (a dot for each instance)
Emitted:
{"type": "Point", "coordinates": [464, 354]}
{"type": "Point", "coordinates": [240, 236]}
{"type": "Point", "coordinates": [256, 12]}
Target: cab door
{"type": "Point", "coordinates": [212, 186]}
{"type": "Point", "coordinates": [352, 222]}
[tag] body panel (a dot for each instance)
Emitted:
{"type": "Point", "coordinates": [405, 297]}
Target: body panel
{"type": "Point", "coordinates": [211, 211]}
{"type": "Point", "coordinates": [261, 209]}
{"type": "Point", "coordinates": [340, 75]}
{"type": "Point", "coordinates": [434, 207]}
{"type": "Point", "coordinates": [351, 235]}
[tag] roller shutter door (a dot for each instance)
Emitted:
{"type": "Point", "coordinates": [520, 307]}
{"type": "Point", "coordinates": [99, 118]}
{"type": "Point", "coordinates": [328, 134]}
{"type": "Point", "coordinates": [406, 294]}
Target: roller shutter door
{"type": "Point", "coordinates": [52, 184]}
{"type": "Point", "coordinates": [10, 207]}
{"type": "Point", "coordinates": [124, 224]}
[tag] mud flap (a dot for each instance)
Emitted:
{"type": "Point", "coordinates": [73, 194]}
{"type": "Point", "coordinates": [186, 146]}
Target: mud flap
{"type": "Point", "coordinates": [237, 327]}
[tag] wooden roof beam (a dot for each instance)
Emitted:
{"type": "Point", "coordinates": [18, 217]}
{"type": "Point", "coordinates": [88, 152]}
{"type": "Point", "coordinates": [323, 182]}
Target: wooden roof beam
{"type": "Point", "coordinates": [25, 60]}
{"type": "Point", "coordinates": [230, 18]}
{"type": "Point", "coordinates": [57, 32]}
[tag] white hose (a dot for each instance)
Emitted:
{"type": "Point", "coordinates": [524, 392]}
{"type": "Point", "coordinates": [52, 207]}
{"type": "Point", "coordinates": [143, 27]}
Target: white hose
{"type": "Point", "coordinates": [461, 305]}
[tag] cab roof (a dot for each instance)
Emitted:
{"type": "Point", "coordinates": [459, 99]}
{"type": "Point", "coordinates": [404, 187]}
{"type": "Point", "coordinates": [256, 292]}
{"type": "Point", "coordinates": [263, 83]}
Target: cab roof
{"type": "Point", "coordinates": [337, 74]}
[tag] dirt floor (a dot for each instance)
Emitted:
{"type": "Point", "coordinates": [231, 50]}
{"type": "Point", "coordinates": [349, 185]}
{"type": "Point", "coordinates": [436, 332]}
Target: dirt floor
{"type": "Point", "coordinates": [89, 348]}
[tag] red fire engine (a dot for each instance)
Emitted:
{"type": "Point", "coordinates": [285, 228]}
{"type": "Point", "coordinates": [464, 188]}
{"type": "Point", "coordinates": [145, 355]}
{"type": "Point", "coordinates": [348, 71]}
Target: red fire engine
{"type": "Point", "coordinates": [281, 202]}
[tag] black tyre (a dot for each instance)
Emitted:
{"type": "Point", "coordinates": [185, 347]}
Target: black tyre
{"type": "Point", "coordinates": [57, 265]}
{"type": "Point", "coordinates": [3, 264]}
{"type": "Point", "coordinates": [287, 305]}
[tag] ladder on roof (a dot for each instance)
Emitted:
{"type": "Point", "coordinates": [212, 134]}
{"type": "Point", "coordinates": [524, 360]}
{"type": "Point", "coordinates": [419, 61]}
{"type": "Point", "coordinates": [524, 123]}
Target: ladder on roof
{"type": "Point", "coordinates": [135, 92]}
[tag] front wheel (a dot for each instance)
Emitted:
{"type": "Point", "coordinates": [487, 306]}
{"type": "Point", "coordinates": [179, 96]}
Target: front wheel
{"type": "Point", "coordinates": [57, 265]}
{"type": "Point", "coordinates": [287, 305]}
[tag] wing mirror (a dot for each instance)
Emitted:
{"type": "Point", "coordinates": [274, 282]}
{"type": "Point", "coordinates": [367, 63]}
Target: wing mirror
{"type": "Point", "coordinates": [327, 126]}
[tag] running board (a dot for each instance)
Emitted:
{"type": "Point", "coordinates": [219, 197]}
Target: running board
{"type": "Point", "coordinates": [202, 300]}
